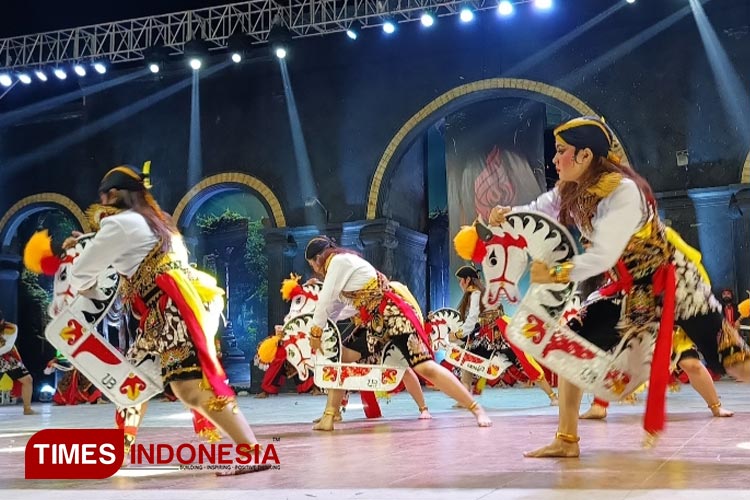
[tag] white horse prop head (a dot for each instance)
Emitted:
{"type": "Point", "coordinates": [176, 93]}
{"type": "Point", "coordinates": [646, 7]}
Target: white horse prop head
{"type": "Point", "coordinates": [73, 327]}
{"type": "Point", "coordinates": [302, 298]}
{"type": "Point", "coordinates": [505, 252]}
{"type": "Point", "coordinates": [324, 365]}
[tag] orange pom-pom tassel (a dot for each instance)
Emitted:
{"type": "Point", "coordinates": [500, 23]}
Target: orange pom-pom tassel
{"type": "Point", "coordinates": [38, 256]}
{"type": "Point", "coordinates": [465, 242]}
{"type": "Point", "coordinates": [267, 350]}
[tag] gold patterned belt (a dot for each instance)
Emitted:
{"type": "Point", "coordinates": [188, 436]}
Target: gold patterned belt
{"type": "Point", "coordinates": [489, 316]}
{"type": "Point", "coordinates": [370, 296]}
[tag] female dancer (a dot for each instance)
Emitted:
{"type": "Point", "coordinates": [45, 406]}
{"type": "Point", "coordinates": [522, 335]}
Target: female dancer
{"type": "Point", "coordinates": [385, 315]}
{"type": "Point", "coordinates": [615, 210]}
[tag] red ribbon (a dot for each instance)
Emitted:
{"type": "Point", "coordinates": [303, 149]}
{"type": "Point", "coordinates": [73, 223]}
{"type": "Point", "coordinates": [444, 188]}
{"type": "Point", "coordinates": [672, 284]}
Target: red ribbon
{"type": "Point", "coordinates": [664, 282]}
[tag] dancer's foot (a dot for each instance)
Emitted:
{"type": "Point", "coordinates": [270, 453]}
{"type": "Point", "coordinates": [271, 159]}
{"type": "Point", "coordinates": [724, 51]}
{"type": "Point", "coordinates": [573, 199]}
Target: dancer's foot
{"type": "Point", "coordinates": [326, 421]}
{"type": "Point", "coordinates": [563, 446]}
{"type": "Point", "coordinates": [261, 395]}
{"type": "Point", "coordinates": [482, 419]}
{"type": "Point", "coordinates": [553, 401]}
{"type": "Point", "coordinates": [630, 399]}
{"type": "Point", "coordinates": [337, 417]}
{"type": "Point", "coordinates": [424, 413]}
{"type": "Point", "coordinates": [28, 411]}
{"type": "Point", "coordinates": [316, 391]}
{"type": "Point", "coordinates": [596, 412]}
{"type": "Point", "coordinates": [718, 411]}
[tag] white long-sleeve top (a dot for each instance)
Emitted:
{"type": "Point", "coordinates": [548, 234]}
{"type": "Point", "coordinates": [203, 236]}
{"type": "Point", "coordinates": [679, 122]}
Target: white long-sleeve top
{"type": "Point", "coordinates": [346, 273]}
{"type": "Point", "coordinates": [123, 241]}
{"type": "Point", "coordinates": [472, 313]}
{"type": "Point", "coordinates": [618, 217]}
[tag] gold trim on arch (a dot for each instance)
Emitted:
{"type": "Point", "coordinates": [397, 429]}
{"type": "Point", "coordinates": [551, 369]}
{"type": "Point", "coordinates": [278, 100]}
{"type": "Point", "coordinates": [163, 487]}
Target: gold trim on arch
{"type": "Point", "coordinates": [54, 198]}
{"type": "Point", "coordinates": [745, 178]}
{"type": "Point", "coordinates": [462, 90]}
{"type": "Point", "coordinates": [234, 178]}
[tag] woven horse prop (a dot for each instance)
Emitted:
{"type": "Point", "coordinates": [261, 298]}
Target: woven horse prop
{"type": "Point", "coordinates": [72, 330]}
{"type": "Point", "coordinates": [443, 326]}
{"type": "Point", "coordinates": [537, 326]}
{"type": "Point", "coordinates": [8, 338]}
{"type": "Point", "coordinates": [325, 365]}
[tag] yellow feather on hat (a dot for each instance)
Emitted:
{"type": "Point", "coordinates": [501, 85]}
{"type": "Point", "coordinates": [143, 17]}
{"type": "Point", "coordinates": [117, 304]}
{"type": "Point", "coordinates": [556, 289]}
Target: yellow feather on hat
{"type": "Point", "coordinates": [465, 242]}
{"type": "Point", "coordinates": [289, 285]}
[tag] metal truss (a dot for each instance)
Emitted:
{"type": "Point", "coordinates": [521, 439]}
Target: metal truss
{"type": "Point", "coordinates": [125, 41]}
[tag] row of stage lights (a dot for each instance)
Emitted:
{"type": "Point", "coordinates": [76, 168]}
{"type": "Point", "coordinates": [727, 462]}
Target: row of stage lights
{"type": "Point", "coordinates": [505, 8]}
{"type": "Point", "coordinates": [25, 77]}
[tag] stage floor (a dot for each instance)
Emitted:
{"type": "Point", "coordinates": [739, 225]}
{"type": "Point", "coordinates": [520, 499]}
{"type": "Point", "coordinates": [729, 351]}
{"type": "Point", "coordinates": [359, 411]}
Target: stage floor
{"type": "Point", "coordinates": [399, 456]}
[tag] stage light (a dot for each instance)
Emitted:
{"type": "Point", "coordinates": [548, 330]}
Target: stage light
{"type": "Point", "coordinates": [80, 70]}
{"type": "Point", "coordinates": [41, 75]}
{"type": "Point", "coordinates": [389, 27]}
{"type": "Point", "coordinates": [467, 15]}
{"type": "Point", "coordinates": [5, 80]}
{"type": "Point", "coordinates": [45, 393]}
{"type": "Point", "coordinates": [427, 19]}
{"type": "Point", "coordinates": [61, 74]}
{"type": "Point", "coordinates": [630, 1]}
{"type": "Point", "coordinates": [196, 51]}
{"type": "Point", "coordinates": [543, 4]}
{"type": "Point", "coordinates": [155, 58]}
{"type": "Point", "coordinates": [505, 8]}
{"type": "Point", "coordinates": [352, 33]}
{"type": "Point", "coordinates": [279, 38]}
{"type": "Point", "coordinates": [24, 78]}
{"type": "Point", "coordinates": [239, 46]}
{"type": "Point", "coordinates": [100, 68]}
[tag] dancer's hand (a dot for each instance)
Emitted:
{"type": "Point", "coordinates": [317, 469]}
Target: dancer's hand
{"type": "Point", "coordinates": [71, 240]}
{"type": "Point", "coordinates": [497, 215]}
{"type": "Point", "coordinates": [279, 330]}
{"type": "Point", "coordinates": [316, 344]}
{"type": "Point", "coordinates": [540, 273]}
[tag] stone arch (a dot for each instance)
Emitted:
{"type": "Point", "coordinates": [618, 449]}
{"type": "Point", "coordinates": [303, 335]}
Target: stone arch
{"type": "Point", "coordinates": [461, 96]}
{"type": "Point", "coordinates": [216, 183]}
{"type": "Point", "coordinates": [745, 178]}
{"type": "Point", "coordinates": [34, 203]}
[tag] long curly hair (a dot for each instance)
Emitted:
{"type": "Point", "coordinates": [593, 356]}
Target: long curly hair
{"type": "Point", "coordinates": [572, 192]}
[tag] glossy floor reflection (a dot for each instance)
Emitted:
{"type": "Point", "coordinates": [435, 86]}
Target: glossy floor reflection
{"type": "Point", "coordinates": [399, 456]}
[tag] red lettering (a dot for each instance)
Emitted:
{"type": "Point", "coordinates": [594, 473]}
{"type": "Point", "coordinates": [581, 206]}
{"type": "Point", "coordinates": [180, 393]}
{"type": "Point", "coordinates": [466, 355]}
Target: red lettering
{"type": "Point", "coordinates": [244, 453]}
{"type": "Point", "coordinates": [270, 455]}
{"type": "Point", "coordinates": [160, 458]}
{"type": "Point", "coordinates": [225, 450]}
{"type": "Point", "coordinates": [206, 453]}
{"type": "Point", "coordinates": [181, 457]}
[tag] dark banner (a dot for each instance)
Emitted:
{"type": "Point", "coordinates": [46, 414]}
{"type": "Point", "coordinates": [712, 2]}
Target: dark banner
{"type": "Point", "coordinates": [494, 156]}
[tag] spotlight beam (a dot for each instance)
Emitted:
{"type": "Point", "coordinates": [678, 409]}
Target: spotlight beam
{"type": "Point", "coordinates": [88, 130]}
{"type": "Point", "coordinates": [731, 91]}
{"type": "Point", "coordinates": [545, 53]}
{"type": "Point", "coordinates": [15, 116]}
{"type": "Point", "coordinates": [195, 156]}
{"type": "Point", "coordinates": [616, 53]}
{"type": "Point", "coordinates": [304, 169]}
